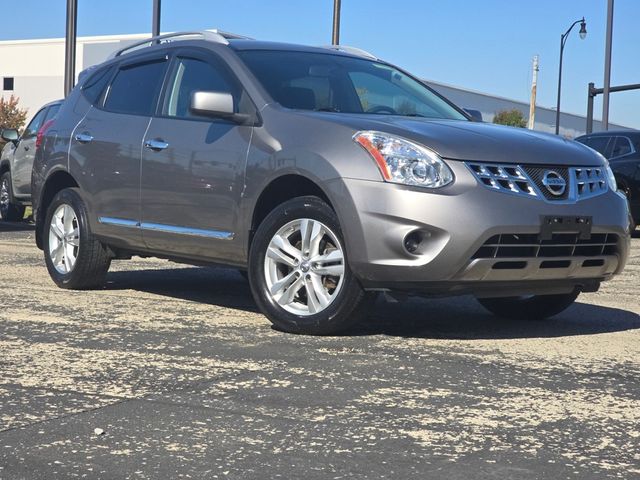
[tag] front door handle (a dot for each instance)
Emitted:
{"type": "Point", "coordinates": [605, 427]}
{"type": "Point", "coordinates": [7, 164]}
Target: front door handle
{"type": "Point", "coordinates": [156, 144]}
{"type": "Point", "coordinates": [83, 137]}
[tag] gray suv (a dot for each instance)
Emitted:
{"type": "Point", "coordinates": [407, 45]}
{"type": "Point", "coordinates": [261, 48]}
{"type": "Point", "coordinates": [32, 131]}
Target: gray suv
{"type": "Point", "coordinates": [325, 173]}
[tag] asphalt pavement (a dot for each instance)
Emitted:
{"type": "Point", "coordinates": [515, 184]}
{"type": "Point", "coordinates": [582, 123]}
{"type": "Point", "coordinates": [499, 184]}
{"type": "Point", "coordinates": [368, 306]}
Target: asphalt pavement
{"type": "Point", "coordinates": [170, 372]}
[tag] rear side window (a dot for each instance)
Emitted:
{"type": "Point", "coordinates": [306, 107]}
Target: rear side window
{"type": "Point", "coordinates": [53, 110]}
{"type": "Point", "coordinates": [622, 147]}
{"type": "Point", "coordinates": [94, 87]}
{"type": "Point", "coordinates": [134, 88]}
{"type": "Point", "coordinates": [192, 75]}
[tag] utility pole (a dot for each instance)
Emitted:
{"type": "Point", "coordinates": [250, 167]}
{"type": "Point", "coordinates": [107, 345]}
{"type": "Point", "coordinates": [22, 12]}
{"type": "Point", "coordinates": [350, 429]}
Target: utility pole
{"type": "Point", "coordinates": [70, 46]}
{"type": "Point", "coordinates": [534, 89]}
{"type": "Point", "coordinates": [335, 37]}
{"type": "Point", "coordinates": [155, 20]}
{"type": "Point", "coordinates": [607, 67]}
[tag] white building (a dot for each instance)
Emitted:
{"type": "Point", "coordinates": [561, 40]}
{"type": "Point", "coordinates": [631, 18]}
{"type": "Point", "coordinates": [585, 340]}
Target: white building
{"type": "Point", "coordinates": [33, 70]}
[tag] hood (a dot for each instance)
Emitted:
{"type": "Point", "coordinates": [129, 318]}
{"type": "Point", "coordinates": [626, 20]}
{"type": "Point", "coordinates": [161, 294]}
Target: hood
{"type": "Point", "coordinates": [481, 142]}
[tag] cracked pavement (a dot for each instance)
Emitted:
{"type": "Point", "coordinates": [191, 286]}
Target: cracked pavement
{"type": "Point", "coordinates": [188, 380]}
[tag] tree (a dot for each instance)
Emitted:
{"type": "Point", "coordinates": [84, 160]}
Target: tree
{"type": "Point", "coordinates": [512, 118]}
{"type": "Point", "coordinates": [11, 116]}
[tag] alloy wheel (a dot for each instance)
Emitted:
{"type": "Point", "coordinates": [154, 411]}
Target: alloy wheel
{"type": "Point", "coordinates": [304, 267]}
{"type": "Point", "coordinates": [4, 197]}
{"type": "Point", "coordinates": [64, 239]}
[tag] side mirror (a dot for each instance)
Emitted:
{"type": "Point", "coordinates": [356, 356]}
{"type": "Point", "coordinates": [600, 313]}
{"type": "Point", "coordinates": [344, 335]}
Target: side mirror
{"type": "Point", "coordinates": [475, 115]}
{"type": "Point", "coordinates": [10, 135]}
{"type": "Point", "coordinates": [216, 105]}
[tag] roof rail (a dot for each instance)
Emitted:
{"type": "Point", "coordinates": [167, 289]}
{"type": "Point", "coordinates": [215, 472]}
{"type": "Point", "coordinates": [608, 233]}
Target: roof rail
{"type": "Point", "coordinates": [217, 36]}
{"type": "Point", "coordinates": [352, 50]}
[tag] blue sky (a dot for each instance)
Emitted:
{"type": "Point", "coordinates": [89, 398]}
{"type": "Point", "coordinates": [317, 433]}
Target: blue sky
{"type": "Point", "coordinates": [482, 45]}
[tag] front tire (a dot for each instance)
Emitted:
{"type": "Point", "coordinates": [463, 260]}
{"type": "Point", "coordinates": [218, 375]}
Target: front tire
{"type": "Point", "coordinates": [9, 211]}
{"type": "Point", "coordinates": [75, 258]}
{"type": "Point", "coordinates": [298, 270]}
{"type": "Point", "coordinates": [534, 307]}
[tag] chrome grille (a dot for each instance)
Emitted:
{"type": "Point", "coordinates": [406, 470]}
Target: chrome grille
{"type": "Point", "coordinates": [504, 178]}
{"type": "Point", "coordinates": [589, 182]}
{"type": "Point", "coordinates": [528, 180]}
{"type": "Point", "coordinates": [512, 245]}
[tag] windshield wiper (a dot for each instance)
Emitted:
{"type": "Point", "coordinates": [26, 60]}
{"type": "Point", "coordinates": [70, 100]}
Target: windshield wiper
{"type": "Point", "coordinates": [414, 115]}
{"type": "Point", "coordinates": [327, 109]}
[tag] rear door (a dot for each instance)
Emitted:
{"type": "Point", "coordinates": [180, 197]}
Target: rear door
{"type": "Point", "coordinates": [107, 147]}
{"type": "Point", "coordinates": [193, 166]}
{"type": "Point", "coordinates": [24, 156]}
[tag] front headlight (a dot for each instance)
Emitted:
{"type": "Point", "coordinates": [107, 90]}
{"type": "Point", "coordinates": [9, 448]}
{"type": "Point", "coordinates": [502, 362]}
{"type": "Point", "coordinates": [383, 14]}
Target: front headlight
{"type": "Point", "coordinates": [405, 162]}
{"type": "Point", "coordinates": [613, 185]}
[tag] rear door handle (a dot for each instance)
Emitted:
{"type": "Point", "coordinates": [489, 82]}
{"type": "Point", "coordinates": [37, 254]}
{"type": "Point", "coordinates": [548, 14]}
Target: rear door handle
{"type": "Point", "coordinates": [83, 137]}
{"type": "Point", "coordinates": [156, 144]}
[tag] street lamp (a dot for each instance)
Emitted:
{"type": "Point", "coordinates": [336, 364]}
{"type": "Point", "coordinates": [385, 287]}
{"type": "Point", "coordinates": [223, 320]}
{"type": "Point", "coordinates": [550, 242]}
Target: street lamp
{"type": "Point", "coordinates": [563, 40]}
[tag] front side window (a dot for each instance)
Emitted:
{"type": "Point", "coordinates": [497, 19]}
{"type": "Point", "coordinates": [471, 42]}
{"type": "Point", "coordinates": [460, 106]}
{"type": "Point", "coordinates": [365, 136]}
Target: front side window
{"type": "Point", "coordinates": [34, 125]}
{"type": "Point", "coordinates": [338, 83]}
{"type": "Point", "coordinates": [193, 75]}
{"type": "Point", "coordinates": [135, 88]}
{"type": "Point", "coordinates": [599, 144]}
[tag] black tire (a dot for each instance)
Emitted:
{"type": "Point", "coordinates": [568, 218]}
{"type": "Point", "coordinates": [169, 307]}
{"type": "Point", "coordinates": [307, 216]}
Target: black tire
{"type": "Point", "coordinates": [536, 307]}
{"type": "Point", "coordinates": [9, 211]}
{"type": "Point", "coordinates": [348, 306]}
{"type": "Point", "coordinates": [93, 258]}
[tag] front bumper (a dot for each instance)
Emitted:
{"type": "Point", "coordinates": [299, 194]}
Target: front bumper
{"type": "Point", "coordinates": [453, 223]}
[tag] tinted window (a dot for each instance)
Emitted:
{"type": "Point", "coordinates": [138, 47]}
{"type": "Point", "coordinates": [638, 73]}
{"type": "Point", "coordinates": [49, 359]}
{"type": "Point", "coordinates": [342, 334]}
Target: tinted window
{"type": "Point", "coordinates": [599, 144]}
{"type": "Point", "coordinates": [53, 110]}
{"type": "Point", "coordinates": [94, 87]}
{"type": "Point", "coordinates": [622, 147]}
{"type": "Point", "coordinates": [134, 89]}
{"type": "Point", "coordinates": [338, 83]}
{"type": "Point", "coordinates": [35, 124]}
{"type": "Point", "coordinates": [193, 75]}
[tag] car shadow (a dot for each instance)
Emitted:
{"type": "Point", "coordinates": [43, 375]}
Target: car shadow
{"type": "Point", "coordinates": [16, 226]}
{"type": "Point", "coordinates": [440, 318]}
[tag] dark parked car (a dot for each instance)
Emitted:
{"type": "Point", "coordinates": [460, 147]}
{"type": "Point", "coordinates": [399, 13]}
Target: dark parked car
{"type": "Point", "coordinates": [328, 174]}
{"type": "Point", "coordinates": [622, 149]}
{"type": "Point", "coordinates": [16, 162]}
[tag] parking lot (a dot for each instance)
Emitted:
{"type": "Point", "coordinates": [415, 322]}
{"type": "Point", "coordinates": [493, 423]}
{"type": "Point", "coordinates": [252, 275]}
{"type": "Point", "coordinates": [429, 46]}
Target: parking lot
{"type": "Point", "coordinates": [170, 372]}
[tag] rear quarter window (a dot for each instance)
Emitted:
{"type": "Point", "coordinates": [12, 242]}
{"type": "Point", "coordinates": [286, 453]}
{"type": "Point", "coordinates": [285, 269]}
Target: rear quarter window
{"type": "Point", "coordinates": [135, 88]}
{"type": "Point", "coordinates": [94, 87]}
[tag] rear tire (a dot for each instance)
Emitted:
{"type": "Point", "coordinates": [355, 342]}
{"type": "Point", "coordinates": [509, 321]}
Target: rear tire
{"type": "Point", "coordinates": [9, 211]}
{"type": "Point", "coordinates": [536, 307]}
{"type": "Point", "coordinates": [74, 257]}
{"type": "Point", "coordinates": [298, 270]}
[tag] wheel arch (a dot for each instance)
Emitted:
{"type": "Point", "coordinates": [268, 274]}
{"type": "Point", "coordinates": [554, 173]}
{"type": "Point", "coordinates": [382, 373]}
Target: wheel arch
{"type": "Point", "coordinates": [279, 190]}
{"type": "Point", "coordinates": [55, 182]}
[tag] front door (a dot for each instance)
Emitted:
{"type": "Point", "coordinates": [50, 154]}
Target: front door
{"type": "Point", "coordinates": [193, 167]}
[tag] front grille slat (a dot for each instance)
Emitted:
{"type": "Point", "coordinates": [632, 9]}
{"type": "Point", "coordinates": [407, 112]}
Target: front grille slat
{"type": "Point", "coordinates": [529, 180]}
{"type": "Point", "coordinates": [560, 245]}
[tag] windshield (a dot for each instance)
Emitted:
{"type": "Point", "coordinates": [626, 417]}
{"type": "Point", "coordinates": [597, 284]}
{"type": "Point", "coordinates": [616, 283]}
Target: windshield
{"type": "Point", "coordinates": [337, 83]}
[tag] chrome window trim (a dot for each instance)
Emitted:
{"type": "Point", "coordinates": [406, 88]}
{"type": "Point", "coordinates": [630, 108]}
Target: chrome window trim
{"type": "Point", "coordinates": [159, 227]}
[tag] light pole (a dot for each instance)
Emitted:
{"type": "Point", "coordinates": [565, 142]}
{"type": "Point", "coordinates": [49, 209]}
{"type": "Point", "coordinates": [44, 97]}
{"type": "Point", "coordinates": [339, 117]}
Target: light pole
{"type": "Point", "coordinates": [563, 40]}
{"type": "Point", "coordinates": [335, 37]}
